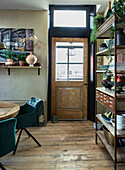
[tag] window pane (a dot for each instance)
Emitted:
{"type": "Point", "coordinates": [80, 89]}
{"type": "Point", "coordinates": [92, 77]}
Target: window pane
{"type": "Point", "coordinates": [76, 54]}
{"type": "Point", "coordinates": [69, 18]}
{"type": "Point", "coordinates": [78, 57]}
{"type": "Point", "coordinates": [65, 44]}
{"type": "Point", "coordinates": [76, 71]}
{"type": "Point", "coordinates": [61, 55]}
{"type": "Point", "coordinates": [69, 61]}
{"type": "Point", "coordinates": [61, 71]}
{"type": "Point", "coordinates": [91, 20]}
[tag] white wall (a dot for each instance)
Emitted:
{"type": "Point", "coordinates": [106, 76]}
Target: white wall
{"type": "Point", "coordinates": [25, 83]}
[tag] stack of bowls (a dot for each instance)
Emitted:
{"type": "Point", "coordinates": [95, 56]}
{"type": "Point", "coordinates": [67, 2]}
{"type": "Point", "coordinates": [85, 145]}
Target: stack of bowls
{"type": "Point", "coordinates": [120, 122]}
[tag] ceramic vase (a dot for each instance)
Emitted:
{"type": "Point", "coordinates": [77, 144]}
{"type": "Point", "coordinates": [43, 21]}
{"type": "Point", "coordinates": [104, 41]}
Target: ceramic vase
{"type": "Point", "coordinates": [31, 59]}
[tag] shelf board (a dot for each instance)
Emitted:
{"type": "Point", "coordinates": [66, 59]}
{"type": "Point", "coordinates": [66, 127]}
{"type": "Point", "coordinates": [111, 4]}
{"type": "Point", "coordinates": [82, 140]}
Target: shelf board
{"type": "Point", "coordinates": [110, 149]}
{"type": "Point", "coordinates": [118, 72]}
{"type": "Point", "coordinates": [100, 71]}
{"type": "Point", "coordinates": [104, 30]}
{"type": "Point", "coordinates": [120, 133]}
{"type": "Point", "coordinates": [106, 91]}
{"type": "Point", "coordinates": [110, 92]}
{"type": "Point", "coordinates": [120, 49]}
{"type": "Point", "coordinates": [121, 72]}
{"type": "Point", "coordinates": [20, 67]}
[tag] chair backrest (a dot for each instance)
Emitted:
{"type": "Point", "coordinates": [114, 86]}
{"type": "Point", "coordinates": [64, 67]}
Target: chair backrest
{"type": "Point", "coordinates": [29, 113]}
{"type": "Point", "coordinates": [7, 136]}
{"type": "Point", "coordinates": [34, 102]}
{"type": "Point", "coordinates": [36, 105]}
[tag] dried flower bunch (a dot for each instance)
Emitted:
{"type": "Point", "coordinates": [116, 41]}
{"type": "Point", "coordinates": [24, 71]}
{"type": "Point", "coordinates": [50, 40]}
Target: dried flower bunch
{"type": "Point", "coordinates": [32, 38]}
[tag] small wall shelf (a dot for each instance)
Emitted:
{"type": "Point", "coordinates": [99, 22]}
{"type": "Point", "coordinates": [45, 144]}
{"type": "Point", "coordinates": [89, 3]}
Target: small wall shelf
{"type": "Point", "coordinates": [20, 67]}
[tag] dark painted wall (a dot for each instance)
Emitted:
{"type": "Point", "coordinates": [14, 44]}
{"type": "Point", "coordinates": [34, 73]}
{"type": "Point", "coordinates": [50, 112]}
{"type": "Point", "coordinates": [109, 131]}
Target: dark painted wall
{"type": "Point", "coordinates": [74, 33]}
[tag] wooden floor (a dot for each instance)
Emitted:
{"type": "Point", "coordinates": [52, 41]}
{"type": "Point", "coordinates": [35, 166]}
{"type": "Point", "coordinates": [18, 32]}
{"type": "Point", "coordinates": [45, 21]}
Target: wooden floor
{"type": "Point", "coordinates": [67, 145]}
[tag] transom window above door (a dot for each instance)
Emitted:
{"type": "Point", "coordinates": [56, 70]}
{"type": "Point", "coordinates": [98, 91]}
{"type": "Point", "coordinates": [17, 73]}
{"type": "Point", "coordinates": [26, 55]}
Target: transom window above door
{"type": "Point", "coordinates": [69, 18]}
{"type": "Point", "coordinates": [69, 61]}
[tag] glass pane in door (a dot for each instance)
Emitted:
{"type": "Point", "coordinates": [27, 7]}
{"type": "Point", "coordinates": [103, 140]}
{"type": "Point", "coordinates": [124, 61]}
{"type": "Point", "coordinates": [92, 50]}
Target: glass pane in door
{"type": "Point", "coordinates": [75, 71]}
{"type": "Point", "coordinates": [69, 61]}
{"type": "Point", "coordinates": [78, 57]}
{"type": "Point", "coordinates": [61, 55]}
{"type": "Point", "coordinates": [61, 72]}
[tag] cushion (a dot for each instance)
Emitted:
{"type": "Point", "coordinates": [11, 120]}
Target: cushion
{"type": "Point", "coordinates": [33, 101]}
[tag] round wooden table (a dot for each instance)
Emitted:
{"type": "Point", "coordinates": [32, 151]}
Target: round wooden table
{"type": "Point", "coordinates": [8, 110]}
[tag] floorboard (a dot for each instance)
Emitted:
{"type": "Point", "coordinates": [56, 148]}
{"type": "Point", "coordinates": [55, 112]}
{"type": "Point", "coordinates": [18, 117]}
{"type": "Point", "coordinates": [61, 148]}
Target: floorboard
{"type": "Point", "coordinates": [67, 145]}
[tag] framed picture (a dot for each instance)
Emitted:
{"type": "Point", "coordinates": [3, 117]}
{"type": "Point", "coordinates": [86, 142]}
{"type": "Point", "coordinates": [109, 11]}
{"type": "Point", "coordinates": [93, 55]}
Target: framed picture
{"type": "Point", "coordinates": [18, 39]}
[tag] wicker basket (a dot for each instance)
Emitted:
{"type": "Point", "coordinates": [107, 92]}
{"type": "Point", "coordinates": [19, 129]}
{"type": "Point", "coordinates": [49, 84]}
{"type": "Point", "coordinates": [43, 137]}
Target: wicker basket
{"type": "Point", "coordinates": [109, 137]}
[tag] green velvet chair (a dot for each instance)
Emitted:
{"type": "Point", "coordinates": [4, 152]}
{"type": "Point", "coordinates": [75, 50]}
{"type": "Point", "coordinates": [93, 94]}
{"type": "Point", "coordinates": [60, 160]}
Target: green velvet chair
{"type": "Point", "coordinates": [28, 116]}
{"type": "Point", "coordinates": [7, 137]}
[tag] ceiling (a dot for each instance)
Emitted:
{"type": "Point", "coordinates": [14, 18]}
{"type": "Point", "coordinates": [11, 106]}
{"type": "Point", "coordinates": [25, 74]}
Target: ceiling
{"type": "Point", "coordinates": [44, 4]}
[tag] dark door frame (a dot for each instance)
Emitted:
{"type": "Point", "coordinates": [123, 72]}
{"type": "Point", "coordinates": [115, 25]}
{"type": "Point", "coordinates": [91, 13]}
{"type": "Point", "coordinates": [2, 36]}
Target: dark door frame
{"type": "Point", "coordinates": [73, 33]}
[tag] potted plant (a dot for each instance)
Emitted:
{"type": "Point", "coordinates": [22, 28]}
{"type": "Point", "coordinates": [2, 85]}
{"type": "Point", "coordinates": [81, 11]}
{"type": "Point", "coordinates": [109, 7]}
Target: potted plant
{"type": "Point", "coordinates": [98, 20]}
{"type": "Point", "coordinates": [9, 55]}
{"type": "Point", "coordinates": [21, 58]}
{"type": "Point", "coordinates": [118, 9]}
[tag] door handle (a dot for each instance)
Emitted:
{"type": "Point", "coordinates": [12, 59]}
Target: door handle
{"type": "Point", "coordinates": [85, 84]}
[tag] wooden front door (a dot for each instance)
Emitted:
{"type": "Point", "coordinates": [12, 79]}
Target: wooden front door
{"type": "Point", "coordinates": [69, 78]}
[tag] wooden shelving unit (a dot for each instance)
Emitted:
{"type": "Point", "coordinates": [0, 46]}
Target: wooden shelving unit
{"type": "Point", "coordinates": [20, 67]}
{"type": "Point", "coordinates": [111, 100]}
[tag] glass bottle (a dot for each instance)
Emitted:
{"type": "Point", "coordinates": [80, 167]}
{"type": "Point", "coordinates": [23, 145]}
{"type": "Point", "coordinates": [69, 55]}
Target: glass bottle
{"type": "Point", "coordinates": [109, 12]}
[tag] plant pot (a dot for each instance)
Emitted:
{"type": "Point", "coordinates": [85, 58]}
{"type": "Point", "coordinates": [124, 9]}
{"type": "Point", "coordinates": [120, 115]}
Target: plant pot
{"type": "Point", "coordinates": [21, 63]}
{"type": "Point", "coordinates": [120, 37]}
{"type": "Point", "coordinates": [31, 59]}
{"type": "Point", "coordinates": [102, 46]}
{"type": "Point", "coordinates": [10, 60]}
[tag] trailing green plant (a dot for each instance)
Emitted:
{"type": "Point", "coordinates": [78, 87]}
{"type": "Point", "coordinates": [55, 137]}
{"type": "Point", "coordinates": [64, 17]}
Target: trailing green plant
{"type": "Point", "coordinates": [21, 57]}
{"type": "Point", "coordinates": [93, 34]}
{"type": "Point", "coordinates": [110, 45]}
{"type": "Point", "coordinates": [118, 9]}
{"type": "Point", "coordinates": [9, 53]}
{"type": "Point", "coordinates": [107, 73]}
{"type": "Point", "coordinates": [98, 20]}
{"type": "Point", "coordinates": [100, 41]}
